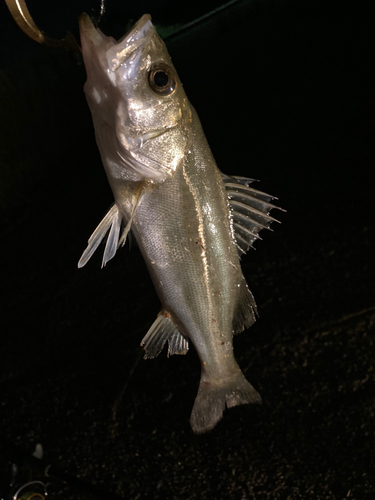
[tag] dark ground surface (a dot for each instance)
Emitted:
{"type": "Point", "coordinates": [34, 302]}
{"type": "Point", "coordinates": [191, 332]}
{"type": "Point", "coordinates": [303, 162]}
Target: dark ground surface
{"type": "Point", "coordinates": [285, 92]}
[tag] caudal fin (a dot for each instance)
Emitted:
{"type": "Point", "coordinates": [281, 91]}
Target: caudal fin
{"type": "Point", "coordinates": [212, 398]}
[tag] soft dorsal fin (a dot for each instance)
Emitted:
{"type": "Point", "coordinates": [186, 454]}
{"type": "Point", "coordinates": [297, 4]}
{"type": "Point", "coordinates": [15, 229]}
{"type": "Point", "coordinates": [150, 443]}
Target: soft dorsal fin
{"type": "Point", "coordinates": [161, 330]}
{"type": "Point", "coordinates": [246, 311]}
{"type": "Point", "coordinates": [250, 210]}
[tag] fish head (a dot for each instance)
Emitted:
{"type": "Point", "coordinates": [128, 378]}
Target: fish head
{"type": "Point", "coordinates": [140, 110]}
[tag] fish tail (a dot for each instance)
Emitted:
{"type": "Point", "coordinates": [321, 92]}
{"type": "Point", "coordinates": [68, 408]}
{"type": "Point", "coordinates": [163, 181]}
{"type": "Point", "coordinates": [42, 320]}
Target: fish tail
{"type": "Point", "coordinates": [212, 398]}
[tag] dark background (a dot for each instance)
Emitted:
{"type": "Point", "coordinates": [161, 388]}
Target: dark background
{"type": "Point", "coordinates": [285, 93]}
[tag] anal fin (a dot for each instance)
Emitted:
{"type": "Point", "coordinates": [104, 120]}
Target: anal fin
{"type": "Point", "coordinates": [162, 330]}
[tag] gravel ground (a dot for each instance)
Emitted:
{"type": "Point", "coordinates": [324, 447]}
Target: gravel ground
{"type": "Point", "coordinates": [285, 93]}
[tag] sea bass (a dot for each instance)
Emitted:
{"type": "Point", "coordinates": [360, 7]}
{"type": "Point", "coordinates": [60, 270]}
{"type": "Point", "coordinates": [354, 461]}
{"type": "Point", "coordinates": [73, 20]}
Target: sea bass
{"type": "Point", "coordinates": [190, 221]}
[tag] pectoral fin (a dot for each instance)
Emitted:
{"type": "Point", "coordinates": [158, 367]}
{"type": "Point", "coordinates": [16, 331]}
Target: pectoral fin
{"type": "Point", "coordinates": [250, 210]}
{"type": "Point", "coordinates": [125, 232]}
{"type": "Point", "coordinates": [161, 330]}
{"type": "Point", "coordinates": [111, 220]}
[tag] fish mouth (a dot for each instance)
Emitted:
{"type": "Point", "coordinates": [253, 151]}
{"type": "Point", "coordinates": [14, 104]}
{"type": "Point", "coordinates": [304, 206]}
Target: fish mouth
{"type": "Point", "coordinates": [126, 52]}
{"type": "Point", "coordinates": [91, 34]}
{"type": "Point", "coordinates": [94, 34]}
{"type": "Point", "coordinates": [139, 30]}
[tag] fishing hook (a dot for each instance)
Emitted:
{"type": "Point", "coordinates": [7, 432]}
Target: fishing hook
{"type": "Point", "coordinates": [23, 18]}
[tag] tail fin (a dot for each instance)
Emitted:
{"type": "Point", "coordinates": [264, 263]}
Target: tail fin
{"type": "Point", "coordinates": [211, 399]}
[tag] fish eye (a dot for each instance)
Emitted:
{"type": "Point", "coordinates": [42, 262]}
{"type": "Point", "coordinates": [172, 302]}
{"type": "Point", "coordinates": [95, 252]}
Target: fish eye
{"type": "Point", "coordinates": [162, 79]}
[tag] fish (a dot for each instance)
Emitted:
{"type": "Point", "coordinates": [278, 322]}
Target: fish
{"type": "Point", "coordinates": [191, 222]}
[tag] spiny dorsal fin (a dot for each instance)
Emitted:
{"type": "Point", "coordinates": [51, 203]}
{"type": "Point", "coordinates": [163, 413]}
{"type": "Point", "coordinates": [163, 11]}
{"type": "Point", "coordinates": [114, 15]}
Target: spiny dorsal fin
{"type": "Point", "coordinates": [112, 220]}
{"type": "Point", "coordinates": [250, 210]}
{"type": "Point", "coordinates": [246, 311]}
{"type": "Point", "coordinates": [161, 330]}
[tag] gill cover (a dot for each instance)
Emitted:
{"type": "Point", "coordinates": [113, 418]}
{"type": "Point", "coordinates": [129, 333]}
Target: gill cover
{"type": "Point", "coordinates": [139, 108]}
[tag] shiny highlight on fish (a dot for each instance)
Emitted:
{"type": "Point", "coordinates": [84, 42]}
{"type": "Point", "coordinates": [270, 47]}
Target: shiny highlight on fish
{"type": "Point", "coordinates": [191, 221]}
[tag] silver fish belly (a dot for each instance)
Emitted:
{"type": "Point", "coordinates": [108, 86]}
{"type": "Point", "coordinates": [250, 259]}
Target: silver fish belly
{"type": "Point", "coordinates": [190, 220]}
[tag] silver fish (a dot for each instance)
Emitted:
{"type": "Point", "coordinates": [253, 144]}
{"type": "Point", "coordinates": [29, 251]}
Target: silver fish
{"type": "Point", "coordinates": [190, 221]}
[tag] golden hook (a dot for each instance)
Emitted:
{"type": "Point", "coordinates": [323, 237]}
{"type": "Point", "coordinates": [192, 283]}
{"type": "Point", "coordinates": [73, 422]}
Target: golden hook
{"type": "Point", "coordinates": [23, 18]}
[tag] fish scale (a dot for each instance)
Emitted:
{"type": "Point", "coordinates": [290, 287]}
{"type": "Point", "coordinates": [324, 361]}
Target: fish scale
{"type": "Point", "coordinates": [190, 220]}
